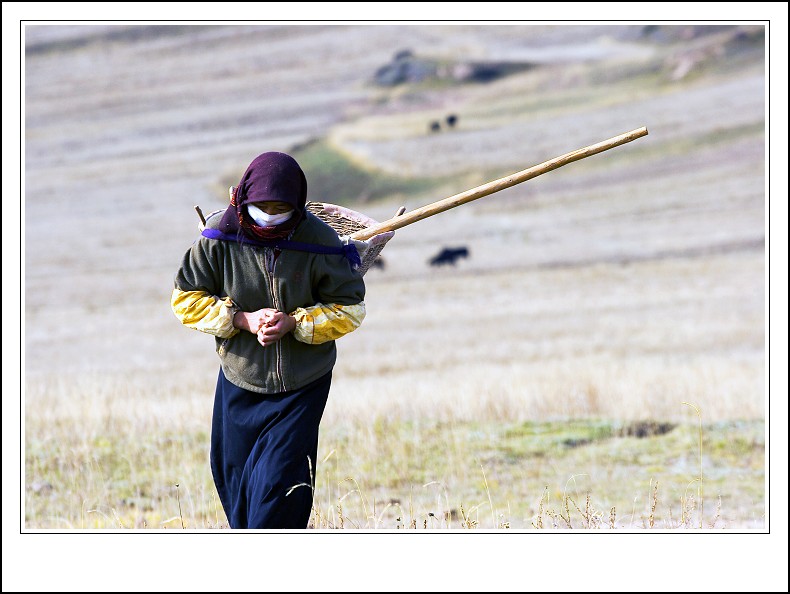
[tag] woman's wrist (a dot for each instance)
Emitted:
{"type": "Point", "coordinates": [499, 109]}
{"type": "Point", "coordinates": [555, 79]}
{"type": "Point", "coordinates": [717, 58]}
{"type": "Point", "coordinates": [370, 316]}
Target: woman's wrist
{"type": "Point", "coordinates": [240, 321]}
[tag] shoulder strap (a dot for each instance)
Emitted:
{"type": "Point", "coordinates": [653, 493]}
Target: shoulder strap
{"type": "Point", "coordinates": [349, 251]}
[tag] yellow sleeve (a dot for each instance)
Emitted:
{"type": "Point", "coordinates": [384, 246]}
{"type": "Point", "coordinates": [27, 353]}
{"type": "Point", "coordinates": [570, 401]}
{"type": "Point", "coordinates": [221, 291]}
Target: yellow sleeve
{"type": "Point", "coordinates": [324, 322]}
{"type": "Point", "coordinates": [207, 313]}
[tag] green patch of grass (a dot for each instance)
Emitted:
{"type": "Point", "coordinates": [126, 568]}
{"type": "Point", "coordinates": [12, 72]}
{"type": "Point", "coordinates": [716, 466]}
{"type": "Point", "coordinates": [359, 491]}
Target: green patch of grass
{"type": "Point", "coordinates": [333, 177]}
{"type": "Point", "coordinates": [572, 433]}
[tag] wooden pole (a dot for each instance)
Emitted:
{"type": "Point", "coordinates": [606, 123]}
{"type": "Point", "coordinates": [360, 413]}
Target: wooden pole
{"type": "Point", "coordinates": [496, 185]}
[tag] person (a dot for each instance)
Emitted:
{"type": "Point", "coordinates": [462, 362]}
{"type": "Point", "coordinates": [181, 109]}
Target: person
{"type": "Point", "coordinates": [276, 287]}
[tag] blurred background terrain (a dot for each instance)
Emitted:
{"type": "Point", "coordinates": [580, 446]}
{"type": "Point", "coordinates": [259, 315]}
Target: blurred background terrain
{"type": "Point", "coordinates": [599, 308]}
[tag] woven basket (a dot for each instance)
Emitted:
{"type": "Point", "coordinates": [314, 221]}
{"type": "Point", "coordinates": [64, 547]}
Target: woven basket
{"type": "Point", "coordinates": [345, 222]}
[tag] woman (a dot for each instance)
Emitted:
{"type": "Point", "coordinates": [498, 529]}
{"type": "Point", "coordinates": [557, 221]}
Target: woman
{"type": "Point", "coordinates": [276, 287]}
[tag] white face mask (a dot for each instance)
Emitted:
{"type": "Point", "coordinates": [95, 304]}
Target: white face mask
{"type": "Point", "coordinates": [266, 220]}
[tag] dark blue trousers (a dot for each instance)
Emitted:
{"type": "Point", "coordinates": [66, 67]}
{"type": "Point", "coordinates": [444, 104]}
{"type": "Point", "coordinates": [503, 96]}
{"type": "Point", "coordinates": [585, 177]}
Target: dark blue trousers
{"type": "Point", "coordinates": [260, 444]}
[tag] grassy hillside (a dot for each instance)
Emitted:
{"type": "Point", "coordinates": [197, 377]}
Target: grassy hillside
{"type": "Point", "coordinates": [609, 292]}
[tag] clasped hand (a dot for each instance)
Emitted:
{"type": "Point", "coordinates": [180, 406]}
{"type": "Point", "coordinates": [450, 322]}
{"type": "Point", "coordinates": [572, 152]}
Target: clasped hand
{"type": "Point", "coordinates": [269, 325]}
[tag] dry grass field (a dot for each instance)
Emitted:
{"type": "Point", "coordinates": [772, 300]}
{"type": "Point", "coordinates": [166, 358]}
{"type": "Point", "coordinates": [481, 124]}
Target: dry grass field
{"type": "Point", "coordinates": [550, 380]}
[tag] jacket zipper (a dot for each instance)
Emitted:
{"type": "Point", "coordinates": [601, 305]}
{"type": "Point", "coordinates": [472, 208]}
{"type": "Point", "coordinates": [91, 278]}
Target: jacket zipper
{"type": "Point", "coordinates": [271, 262]}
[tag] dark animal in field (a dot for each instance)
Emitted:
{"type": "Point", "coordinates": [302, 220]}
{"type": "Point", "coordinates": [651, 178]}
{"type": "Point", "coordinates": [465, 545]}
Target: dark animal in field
{"type": "Point", "coordinates": [378, 263]}
{"type": "Point", "coordinates": [449, 256]}
{"type": "Point", "coordinates": [452, 120]}
{"type": "Point", "coordinates": [434, 126]}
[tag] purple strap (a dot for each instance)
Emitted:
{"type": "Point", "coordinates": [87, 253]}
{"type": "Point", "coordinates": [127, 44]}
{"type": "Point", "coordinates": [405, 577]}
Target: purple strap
{"type": "Point", "coordinates": [348, 251]}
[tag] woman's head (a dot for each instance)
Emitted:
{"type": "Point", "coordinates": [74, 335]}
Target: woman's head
{"type": "Point", "coordinates": [270, 198]}
{"type": "Point", "coordinates": [273, 177]}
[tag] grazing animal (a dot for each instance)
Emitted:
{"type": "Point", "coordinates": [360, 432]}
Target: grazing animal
{"type": "Point", "coordinates": [452, 120]}
{"type": "Point", "coordinates": [434, 126]}
{"type": "Point", "coordinates": [378, 263]}
{"type": "Point", "coordinates": [449, 256]}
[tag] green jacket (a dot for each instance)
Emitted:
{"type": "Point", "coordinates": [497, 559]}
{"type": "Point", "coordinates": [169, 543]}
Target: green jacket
{"type": "Point", "coordinates": [218, 278]}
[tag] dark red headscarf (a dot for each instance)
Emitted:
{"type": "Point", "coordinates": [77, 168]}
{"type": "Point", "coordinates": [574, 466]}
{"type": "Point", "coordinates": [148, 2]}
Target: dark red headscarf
{"type": "Point", "coordinates": [271, 177]}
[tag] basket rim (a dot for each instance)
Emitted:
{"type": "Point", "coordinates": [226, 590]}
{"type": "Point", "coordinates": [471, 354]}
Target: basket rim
{"type": "Point", "coordinates": [335, 210]}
